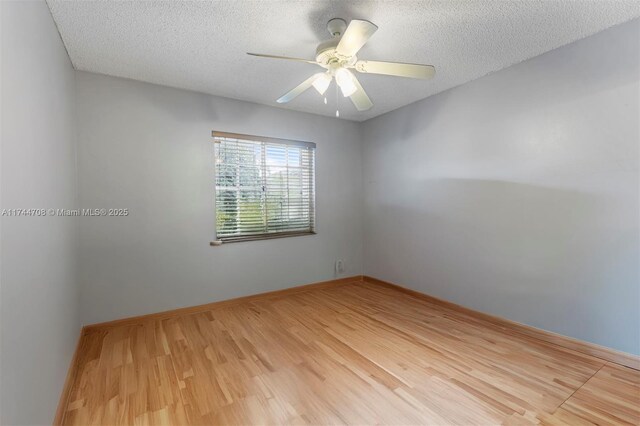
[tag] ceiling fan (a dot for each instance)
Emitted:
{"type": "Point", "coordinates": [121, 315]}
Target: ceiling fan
{"type": "Point", "coordinates": [338, 57]}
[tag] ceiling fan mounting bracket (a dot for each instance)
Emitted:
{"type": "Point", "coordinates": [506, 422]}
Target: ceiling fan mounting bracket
{"type": "Point", "coordinates": [336, 27]}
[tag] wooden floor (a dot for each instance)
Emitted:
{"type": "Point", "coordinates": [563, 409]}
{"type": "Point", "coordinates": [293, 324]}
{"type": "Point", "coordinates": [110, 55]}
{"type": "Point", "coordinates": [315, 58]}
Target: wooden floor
{"type": "Point", "coordinates": [358, 354]}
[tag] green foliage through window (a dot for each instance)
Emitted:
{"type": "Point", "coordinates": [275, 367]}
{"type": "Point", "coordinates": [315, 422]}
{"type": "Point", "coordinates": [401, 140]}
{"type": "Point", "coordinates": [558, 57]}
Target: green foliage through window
{"type": "Point", "coordinates": [263, 188]}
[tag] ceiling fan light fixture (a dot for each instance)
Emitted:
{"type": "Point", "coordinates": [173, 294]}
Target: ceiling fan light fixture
{"type": "Point", "coordinates": [321, 82]}
{"type": "Point", "coordinates": [344, 78]}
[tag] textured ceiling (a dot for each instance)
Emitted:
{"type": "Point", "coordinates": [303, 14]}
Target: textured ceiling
{"type": "Point", "coordinates": [201, 45]}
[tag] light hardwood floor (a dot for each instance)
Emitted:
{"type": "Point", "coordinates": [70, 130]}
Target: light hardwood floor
{"type": "Point", "coordinates": [357, 353]}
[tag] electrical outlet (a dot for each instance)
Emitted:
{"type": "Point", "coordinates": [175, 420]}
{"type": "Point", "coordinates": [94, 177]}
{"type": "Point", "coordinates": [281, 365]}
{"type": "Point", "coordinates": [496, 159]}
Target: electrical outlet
{"type": "Point", "coordinates": [339, 267]}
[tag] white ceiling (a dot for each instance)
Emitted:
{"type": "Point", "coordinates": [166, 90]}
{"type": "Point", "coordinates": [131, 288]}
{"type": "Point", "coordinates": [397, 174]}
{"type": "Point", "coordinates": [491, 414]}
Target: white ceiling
{"type": "Point", "coordinates": [201, 45]}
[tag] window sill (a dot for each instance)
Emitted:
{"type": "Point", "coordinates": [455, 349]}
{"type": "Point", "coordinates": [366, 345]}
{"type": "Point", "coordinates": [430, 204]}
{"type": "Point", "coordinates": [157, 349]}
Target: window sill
{"type": "Point", "coordinates": [259, 237]}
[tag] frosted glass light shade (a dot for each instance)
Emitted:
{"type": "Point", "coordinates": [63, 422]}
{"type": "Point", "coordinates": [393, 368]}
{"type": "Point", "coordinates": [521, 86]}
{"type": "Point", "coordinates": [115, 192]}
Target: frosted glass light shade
{"type": "Point", "coordinates": [321, 83]}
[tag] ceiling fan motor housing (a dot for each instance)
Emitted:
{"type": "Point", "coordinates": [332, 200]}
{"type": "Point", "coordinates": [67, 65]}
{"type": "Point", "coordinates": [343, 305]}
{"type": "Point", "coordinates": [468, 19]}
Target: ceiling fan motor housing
{"type": "Point", "coordinates": [326, 54]}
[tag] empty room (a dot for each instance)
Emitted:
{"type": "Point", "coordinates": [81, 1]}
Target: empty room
{"type": "Point", "coordinates": [322, 212]}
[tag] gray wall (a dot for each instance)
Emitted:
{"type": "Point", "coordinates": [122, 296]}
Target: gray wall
{"type": "Point", "coordinates": [38, 289]}
{"type": "Point", "coordinates": [149, 148]}
{"type": "Point", "coordinates": [517, 194]}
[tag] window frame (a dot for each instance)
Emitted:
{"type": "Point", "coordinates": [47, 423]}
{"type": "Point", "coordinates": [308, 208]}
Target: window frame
{"type": "Point", "coordinates": [266, 235]}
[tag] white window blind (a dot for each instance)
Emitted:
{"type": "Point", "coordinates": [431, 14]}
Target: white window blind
{"type": "Point", "coordinates": [265, 187]}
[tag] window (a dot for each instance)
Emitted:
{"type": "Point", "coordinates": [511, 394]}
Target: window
{"type": "Point", "coordinates": [265, 187]}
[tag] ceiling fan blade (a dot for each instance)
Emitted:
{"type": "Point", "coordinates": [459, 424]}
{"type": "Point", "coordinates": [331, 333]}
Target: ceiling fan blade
{"type": "Point", "coordinates": [355, 36]}
{"type": "Point", "coordinates": [297, 90]}
{"type": "Point", "coordinates": [360, 98]}
{"type": "Point", "coordinates": [397, 69]}
{"type": "Point", "coordinates": [282, 57]}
